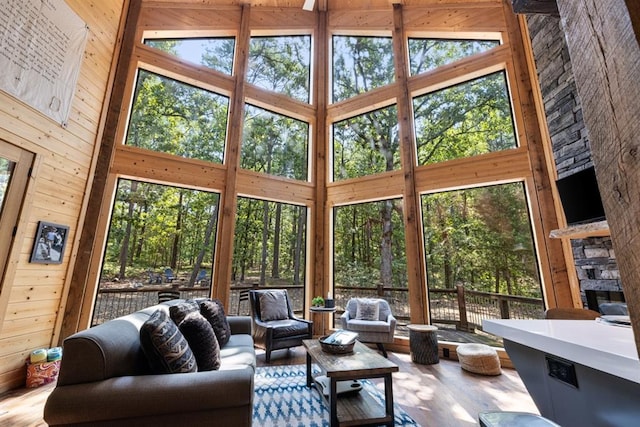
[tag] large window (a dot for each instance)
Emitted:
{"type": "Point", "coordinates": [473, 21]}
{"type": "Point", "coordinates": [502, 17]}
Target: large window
{"type": "Point", "coordinates": [369, 254]}
{"type": "Point", "coordinates": [465, 120]}
{"type": "Point", "coordinates": [275, 144]}
{"type": "Point", "coordinates": [429, 54]}
{"type": "Point", "coordinates": [281, 64]}
{"type": "Point", "coordinates": [361, 64]}
{"type": "Point", "coordinates": [176, 118]}
{"type": "Point", "coordinates": [215, 53]}
{"type": "Point", "coordinates": [159, 236]}
{"type": "Point", "coordinates": [233, 110]}
{"type": "Point", "coordinates": [366, 144]}
{"type": "Point", "coordinates": [269, 248]}
{"type": "Point", "coordinates": [479, 240]}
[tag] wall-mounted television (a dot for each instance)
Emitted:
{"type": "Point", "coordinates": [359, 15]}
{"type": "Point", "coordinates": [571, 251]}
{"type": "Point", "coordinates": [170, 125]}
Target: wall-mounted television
{"type": "Point", "coordinates": [580, 197]}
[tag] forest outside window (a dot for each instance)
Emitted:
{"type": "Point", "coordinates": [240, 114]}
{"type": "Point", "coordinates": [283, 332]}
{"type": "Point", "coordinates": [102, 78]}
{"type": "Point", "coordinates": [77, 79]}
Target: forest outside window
{"type": "Point", "coordinates": [369, 258]}
{"type": "Point", "coordinates": [176, 118]}
{"type": "Point", "coordinates": [270, 247]}
{"type": "Point", "coordinates": [275, 144]}
{"type": "Point", "coordinates": [281, 65]}
{"type": "Point", "coordinates": [464, 120]}
{"type": "Point", "coordinates": [366, 144]}
{"type": "Point", "coordinates": [481, 239]}
{"type": "Point", "coordinates": [215, 53]}
{"type": "Point", "coordinates": [426, 54]}
{"type": "Point", "coordinates": [155, 229]}
{"type": "Point", "coordinates": [361, 64]}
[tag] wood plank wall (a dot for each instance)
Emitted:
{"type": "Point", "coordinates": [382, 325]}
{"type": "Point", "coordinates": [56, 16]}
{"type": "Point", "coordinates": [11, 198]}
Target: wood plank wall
{"type": "Point", "coordinates": [32, 295]}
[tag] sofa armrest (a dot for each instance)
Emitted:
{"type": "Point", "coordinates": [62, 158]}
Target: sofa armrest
{"type": "Point", "coordinates": [150, 395]}
{"type": "Point", "coordinates": [239, 324]}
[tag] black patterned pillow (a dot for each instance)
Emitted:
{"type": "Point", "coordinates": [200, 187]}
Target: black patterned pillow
{"type": "Point", "coordinates": [179, 311]}
{"type": "Point", "coordinates": [165, 347]}
{"type": "Point", "coordinates": [202, 340]}
{"type": "Point", "coordinates": [367, 310]}
{"type": "Point", "coordinates": [213, 311]}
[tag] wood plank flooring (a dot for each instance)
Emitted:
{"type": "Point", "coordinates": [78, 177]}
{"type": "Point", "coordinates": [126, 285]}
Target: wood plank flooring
{"type": "Point", "coordinates": [440, 395]}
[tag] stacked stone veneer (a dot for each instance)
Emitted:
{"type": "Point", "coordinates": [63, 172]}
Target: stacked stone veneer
{"type": "Point", "coordinates": [594, 257]}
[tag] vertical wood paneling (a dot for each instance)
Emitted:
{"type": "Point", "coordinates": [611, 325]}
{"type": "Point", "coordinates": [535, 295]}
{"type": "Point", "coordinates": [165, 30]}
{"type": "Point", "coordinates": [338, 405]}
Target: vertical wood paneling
{"type": "Point", "coordinates": [33, 292]}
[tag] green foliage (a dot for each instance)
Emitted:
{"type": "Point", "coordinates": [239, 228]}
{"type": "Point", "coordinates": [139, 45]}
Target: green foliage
{"type": "Point", "coordinates": [176, 118]}
{"type": "Point", "coordinates": [146, 220]}
{"type": "Point", "coordinates": [480, 238]}
{"type": "Point", "coordinates": [281, 64]}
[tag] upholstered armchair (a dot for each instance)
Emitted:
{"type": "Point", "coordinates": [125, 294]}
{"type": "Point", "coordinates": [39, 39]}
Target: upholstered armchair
{"type": "Point", "coordinates": [372, 319]}
{"type": "Point", "coordinates": [274, 324]}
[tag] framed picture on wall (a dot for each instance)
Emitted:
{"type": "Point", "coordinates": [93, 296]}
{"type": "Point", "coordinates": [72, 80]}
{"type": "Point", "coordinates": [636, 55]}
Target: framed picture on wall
{"type": "Point", "coordinates": [49, 243]}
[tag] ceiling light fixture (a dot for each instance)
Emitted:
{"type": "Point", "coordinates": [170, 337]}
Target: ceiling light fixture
{"type": "Point", "coordinates": [308, 4]}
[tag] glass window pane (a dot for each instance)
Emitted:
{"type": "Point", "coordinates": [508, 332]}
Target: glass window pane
{"type": "Point", "coordinates": [481, 239]}
{"type": "Point", "coordinates": [369, 255]}
{"type": "Point", "coordinates": [176, 118]}
{"type": "Point", "coordinates": [366, 144]}
{"type": "Point", "coordinates": [428, 54]}
{"type": "Point", "coordinates": [269, 248]}
{"type": "Point", "coordinates": [215, 53]}
{"type": "Point", "coordinates": [160, 238]}
{"type": "Point", "coordinates": [281, 64]}
{"type": "Point", "coordinates": [275, 144]}
{"type": "Point", "coordinates": [465, 120]}
{"type": "Point", "coordinates": [361, 64]}
{"type": "Point", "coordinates": [6, 170]}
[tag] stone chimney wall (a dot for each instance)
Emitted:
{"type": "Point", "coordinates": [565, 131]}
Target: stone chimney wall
{"type": "Point", "coordinates": [594, 257]}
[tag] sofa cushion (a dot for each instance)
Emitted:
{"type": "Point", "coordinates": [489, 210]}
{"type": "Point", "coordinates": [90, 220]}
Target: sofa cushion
{"type": "Point", "coordinates": [213, 311]}
{"type": "Point", "coordinates": [164, 345]}
{"type": "Point", "coordinates": [202, 341]}
{"type": "Point", "coordinates": [273, 306]}
{"type": "Point", "coordinates": [179, 311]}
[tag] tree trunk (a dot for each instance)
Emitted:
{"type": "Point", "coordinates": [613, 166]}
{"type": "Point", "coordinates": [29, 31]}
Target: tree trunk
{"type": "Point", "coordinates": [206, 242]}
{"type": "Point", "coordinates": [275, 267]}
{"type": "Point", "coordinates": [386, 250]}
{"type": "Point", "coordinates": [265, 241]}
{"type": "Point", "coordinates": [124, 247]}
{"type": "Point", "coordinates": [176, 237]}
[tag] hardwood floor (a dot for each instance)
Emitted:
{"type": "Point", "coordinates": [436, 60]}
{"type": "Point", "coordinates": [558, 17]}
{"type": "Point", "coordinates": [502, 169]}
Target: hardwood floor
{"type": "Point", "coordinates": [439, 395]}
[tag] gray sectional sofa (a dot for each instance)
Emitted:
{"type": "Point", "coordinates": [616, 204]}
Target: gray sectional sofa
{"type": "Point", "coordinates": [105, 380]}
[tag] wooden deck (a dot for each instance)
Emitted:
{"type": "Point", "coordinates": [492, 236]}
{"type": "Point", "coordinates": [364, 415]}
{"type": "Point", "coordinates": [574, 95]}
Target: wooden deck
{"type": "Point", "coordinates": [440, 395]}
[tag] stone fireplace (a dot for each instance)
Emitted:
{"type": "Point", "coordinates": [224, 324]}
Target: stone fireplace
{"type": "Point", "coordinates": [594, 257]}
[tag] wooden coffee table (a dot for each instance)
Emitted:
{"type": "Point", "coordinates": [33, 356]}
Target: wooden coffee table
{"type": "Point", "coordinates": [361, 408]}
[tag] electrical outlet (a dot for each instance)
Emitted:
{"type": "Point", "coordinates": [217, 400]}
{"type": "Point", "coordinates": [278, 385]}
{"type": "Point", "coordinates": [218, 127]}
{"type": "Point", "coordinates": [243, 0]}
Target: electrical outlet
{"type": "Point", "coordinates": [562, 370]}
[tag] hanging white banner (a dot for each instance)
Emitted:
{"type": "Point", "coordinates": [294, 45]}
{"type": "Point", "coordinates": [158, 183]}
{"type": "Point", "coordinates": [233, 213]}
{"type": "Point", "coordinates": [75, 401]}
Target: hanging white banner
{"type": "Point", "coordinates": [41, 48]}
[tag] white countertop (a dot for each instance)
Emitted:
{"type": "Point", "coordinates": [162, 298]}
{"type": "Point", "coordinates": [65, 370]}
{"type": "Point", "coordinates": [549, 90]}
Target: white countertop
{"type": "Point", "coordinates": [607, 348]}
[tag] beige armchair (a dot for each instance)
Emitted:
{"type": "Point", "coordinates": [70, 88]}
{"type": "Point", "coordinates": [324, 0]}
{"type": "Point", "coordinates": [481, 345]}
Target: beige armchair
{"type": "Point", "coordinates": [372, 319]}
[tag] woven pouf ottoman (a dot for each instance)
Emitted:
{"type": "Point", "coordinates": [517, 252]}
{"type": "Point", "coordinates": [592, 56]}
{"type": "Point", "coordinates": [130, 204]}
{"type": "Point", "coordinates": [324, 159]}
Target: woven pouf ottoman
{"type": "Point", "coordinates": [479, 359]}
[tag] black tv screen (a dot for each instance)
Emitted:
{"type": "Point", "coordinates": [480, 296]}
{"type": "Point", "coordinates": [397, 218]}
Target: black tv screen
{"type": "Point", "coordinates": [580, 197]}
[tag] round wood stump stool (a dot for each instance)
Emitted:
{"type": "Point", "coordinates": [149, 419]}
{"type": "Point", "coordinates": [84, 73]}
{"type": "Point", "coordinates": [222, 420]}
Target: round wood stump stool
{"type": "Point", "coordinates": [479, 359]}
{"type": "Point", "coordinates": [423, 343]}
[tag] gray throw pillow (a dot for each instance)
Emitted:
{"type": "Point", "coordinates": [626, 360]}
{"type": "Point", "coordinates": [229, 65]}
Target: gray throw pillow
{"type": "Point", "coordinates": [367, 310]}
{"type": "Point", "coordinates": [165, 347]}
{"type": "Point", "coordinates": [273, 306]}
{"type": "Point", "coordinates": [202, 340]}
{"type": "Point", "coordinates": [213, 311]}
